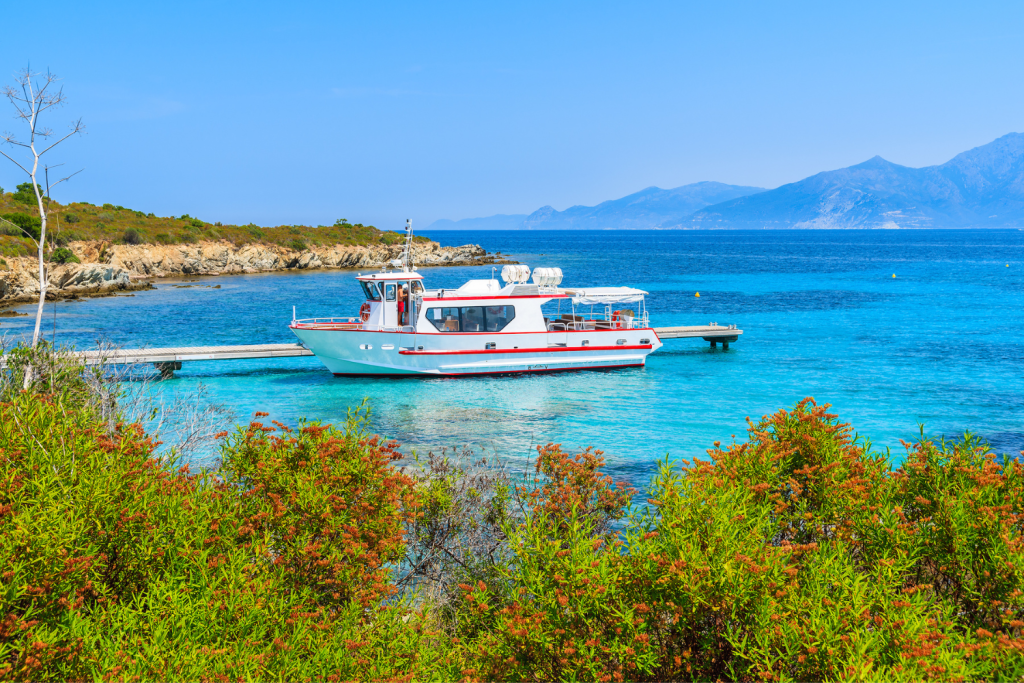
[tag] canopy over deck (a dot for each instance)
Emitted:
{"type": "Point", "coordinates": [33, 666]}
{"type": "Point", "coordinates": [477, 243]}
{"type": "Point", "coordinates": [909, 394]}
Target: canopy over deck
{"type": "Point", "coordinates": [606, 295]}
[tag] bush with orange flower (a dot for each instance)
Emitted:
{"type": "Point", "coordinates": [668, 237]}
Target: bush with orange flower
{"type": "Point", "coordinates": [310, 552]}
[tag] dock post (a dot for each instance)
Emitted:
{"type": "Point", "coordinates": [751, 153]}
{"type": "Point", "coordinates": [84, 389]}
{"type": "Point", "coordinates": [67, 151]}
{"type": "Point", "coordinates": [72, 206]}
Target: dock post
{"type": "Point", "coordinates": [725, 345]}
{"type": "Point", "coordinates": [167, 368]}
{"type": "Point", "coordinates": [714, 344]}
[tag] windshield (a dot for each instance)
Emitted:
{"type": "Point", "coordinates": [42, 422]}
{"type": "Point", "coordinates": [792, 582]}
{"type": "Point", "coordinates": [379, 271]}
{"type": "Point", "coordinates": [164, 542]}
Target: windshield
{"type": "Point", "coordinates": [371, 291]}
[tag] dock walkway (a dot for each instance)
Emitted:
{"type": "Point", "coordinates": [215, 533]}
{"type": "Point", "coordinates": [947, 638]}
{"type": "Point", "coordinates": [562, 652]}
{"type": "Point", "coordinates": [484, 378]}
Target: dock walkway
{"type": "Point", "coordinates": [167, 360]}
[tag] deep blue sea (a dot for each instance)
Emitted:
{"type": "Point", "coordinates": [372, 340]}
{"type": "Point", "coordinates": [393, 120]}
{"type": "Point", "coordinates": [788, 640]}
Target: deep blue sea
{"type": "Point", "coordinates": [941, 344]}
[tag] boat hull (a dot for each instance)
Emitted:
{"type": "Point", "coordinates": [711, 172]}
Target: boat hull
{"type": "Point", "coordinates": [407, 354]}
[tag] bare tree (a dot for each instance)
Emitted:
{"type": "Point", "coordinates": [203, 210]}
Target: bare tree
{"type": "Point", "coordinates": [33, 95]}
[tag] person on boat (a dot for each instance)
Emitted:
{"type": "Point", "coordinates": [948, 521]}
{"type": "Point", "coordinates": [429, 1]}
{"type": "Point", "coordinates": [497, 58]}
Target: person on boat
{"type": "Point", "coordinates": [402, 296]}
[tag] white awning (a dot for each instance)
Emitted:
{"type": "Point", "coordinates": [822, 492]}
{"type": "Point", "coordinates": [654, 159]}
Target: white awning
{"type": "Point", "coordinates": [606, 295]}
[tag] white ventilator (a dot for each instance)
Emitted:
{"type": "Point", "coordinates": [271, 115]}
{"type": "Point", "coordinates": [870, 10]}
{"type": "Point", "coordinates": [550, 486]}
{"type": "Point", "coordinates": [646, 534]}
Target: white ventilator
{"type": "Point", "coordinates": [516, 274]}
{"type": "Point", "coordinates": [547, 277]}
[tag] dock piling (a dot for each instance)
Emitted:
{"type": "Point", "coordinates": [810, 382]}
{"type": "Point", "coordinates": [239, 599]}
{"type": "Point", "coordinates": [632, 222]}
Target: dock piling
{"type": "Point", "coordinates": [167, 368]}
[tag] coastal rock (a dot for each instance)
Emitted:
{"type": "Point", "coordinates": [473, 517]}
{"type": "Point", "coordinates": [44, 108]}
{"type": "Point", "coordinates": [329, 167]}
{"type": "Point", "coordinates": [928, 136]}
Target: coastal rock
{"type": "Point", "coordinates": [21, 282]}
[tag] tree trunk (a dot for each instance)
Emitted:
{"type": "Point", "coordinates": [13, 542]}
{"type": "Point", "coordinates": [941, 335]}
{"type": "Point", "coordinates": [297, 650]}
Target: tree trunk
{"type": "Point", "coordinates": [42, 269]}
{"type": "Point", "coordinates": [43, 283]}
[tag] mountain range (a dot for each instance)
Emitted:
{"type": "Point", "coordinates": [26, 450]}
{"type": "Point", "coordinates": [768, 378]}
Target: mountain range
{"type": "Point", "coordinates": [982, 187]}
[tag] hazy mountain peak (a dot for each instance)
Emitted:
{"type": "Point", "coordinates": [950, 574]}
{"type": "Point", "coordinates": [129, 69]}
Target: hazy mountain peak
{"type": "Point", "coordinates": [982, 187]}
{"type": "Point", "coordinates": [651, 207]}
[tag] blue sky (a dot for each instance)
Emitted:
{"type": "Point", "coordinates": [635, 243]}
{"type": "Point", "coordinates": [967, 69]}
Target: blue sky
{"type": "Point", "coordinates": [304, 112]}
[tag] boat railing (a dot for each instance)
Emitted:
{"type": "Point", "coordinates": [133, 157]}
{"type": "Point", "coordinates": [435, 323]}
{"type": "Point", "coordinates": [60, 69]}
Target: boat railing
{"type": "Point", "coordinates": [347, 323]}
{"type": "Point", "coordinates": [598, 322]}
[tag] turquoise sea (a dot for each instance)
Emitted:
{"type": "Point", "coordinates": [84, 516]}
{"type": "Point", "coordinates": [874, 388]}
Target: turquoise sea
{"type": "Point", "coordinates": [941, 344]}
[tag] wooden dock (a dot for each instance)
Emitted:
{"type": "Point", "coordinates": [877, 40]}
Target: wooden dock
{"type": "Point", "coordinates": [709, 333]}
{"type": "Point", "coordinates": [167, 360]}
{"type": "Point", "coordinates": [180, 353]}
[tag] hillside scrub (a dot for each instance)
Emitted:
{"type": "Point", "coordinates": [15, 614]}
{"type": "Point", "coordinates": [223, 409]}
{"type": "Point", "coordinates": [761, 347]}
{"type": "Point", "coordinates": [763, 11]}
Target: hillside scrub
{"type": "Point", "coordinates": [798, 554]}
{"type": "Point", "coordinates": [79, 221]}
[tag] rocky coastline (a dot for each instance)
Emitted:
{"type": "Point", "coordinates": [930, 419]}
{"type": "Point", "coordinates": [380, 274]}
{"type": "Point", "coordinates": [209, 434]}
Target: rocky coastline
{"type": "Point", "coordinates": [109, 268]}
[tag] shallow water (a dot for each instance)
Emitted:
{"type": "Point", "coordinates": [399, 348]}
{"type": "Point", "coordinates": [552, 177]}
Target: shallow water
{"type": "Point", "coordinates": [940, 344]}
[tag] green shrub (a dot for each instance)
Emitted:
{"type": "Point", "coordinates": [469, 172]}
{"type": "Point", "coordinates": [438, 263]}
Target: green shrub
{"type": "Point", "coordinates": [118, 564]}
{"type": "Point", "coordinates": [196, 223]}
{"type": "Point", "coordinates": [798, 555]}
{"type": "Point", "coordinates": [297, 244]}
{"type": "Point", "coordinates": [150, 215]}
{"type": "Point", "coordinates": [71, 217]}
{"type": "Point", "coordinates": [25, 194]}
{"type": "Point", "coordinates": [26, 225]}
{"type": "Point", "coordinates": [131, 236]}
{"type": "Point", "coordinates": [164, 238]}
{"type": "Point", "coordinates": [63, 255]}
{"type": "Point", "coordinates": [63, 239]}
{"type": "Point", "coordinates": [255, 231]}
{"type": "Point", "coordinates": [109, 206]}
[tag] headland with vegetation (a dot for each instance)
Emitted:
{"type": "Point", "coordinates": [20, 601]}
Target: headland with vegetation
{"type": "Point", "coordinates": [101, 249]}
{"type": "Point", "coordinates": [323, 552]}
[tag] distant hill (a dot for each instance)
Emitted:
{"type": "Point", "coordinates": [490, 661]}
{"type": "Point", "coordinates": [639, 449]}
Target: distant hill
{"type": "Point", "coordinates": [983, 187]}
{"type": "Point", "coordinates": [649, 208]}
{"type": "Point", "coordinates": [980, 188]}
{"type": "Point", "coordinates": [81, 221]}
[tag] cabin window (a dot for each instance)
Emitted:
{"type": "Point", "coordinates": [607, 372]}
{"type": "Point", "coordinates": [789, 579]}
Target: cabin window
{"type": "Point", "coordinates": [444, 319]}
{"type": "Point", "coordinates": [417, 287]}
{"type": "Point", "coordinates": [499, 316]}
{"type": "Point", "coordinates": [371, 291]}
{"type": "Point", "coordinates": [389, 292]}
{"type": "Point", "coordinates": [471, 318]}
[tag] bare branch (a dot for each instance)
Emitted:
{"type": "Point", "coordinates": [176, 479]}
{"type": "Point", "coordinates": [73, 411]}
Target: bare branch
{"type": "Point", "coordinates": [63, 179]}
{"type": "Point", "coordinates": [15, 162]}
{"type": "Point", "coordinates": [11, 140]}
{"type": "Point", "coordinates": [78, 128]}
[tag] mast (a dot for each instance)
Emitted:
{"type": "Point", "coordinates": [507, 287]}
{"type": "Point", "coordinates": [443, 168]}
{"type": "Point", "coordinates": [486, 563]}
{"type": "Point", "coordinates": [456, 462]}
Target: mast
{"type": "Point", "coordinates": [407, 252]}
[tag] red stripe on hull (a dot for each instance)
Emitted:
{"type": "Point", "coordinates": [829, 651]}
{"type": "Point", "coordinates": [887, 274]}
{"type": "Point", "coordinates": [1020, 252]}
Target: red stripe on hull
{"type": "Point", "coordinates": [545, 349]}
{"type": "Point", "coordinates": [492, 372]}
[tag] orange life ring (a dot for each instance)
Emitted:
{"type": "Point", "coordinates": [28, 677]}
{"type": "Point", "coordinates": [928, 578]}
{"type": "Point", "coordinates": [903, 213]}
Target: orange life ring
{"type": "Point", "coordinates": [364, 311]}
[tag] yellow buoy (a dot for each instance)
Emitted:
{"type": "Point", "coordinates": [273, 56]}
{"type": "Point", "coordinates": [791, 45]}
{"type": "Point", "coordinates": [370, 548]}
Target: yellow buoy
{"type": "Point", "coordinates": [697, 295]}
{"type": "Point", "coordinates": [894, 274]}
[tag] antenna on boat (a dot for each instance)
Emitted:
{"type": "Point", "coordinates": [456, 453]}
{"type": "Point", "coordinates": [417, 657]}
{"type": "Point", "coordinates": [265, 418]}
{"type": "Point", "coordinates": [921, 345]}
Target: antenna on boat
{"type": "Point", "coordinates": [407, 255]}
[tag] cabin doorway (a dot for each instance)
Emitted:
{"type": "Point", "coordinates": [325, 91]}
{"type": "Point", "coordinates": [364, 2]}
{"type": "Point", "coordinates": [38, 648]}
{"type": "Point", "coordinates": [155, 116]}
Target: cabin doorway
{"type": "Point", "coordinates": [559, 320]}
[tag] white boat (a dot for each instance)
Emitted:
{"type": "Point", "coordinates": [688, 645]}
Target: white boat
{"type": "Point", "coordinates": [483, 327]}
